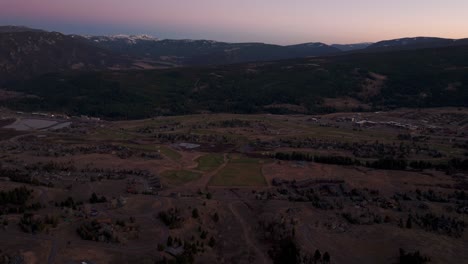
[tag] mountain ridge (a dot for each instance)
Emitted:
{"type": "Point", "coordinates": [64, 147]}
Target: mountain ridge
{"type": "Point", "coordinates": [27, 52]}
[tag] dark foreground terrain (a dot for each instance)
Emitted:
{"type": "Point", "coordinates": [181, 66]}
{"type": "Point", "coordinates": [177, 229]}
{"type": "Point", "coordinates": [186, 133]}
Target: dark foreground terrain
{"type": "Point", "coordinates": [376, 187]}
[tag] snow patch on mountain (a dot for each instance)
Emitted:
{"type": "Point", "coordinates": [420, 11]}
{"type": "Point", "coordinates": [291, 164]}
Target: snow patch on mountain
{"type": "Point", "coordinates": [131, 39]}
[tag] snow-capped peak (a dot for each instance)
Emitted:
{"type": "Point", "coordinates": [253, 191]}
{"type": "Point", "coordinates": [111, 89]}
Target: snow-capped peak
{"type": "Point", "coordinates": [131, 39]}
{"type": "Point", "coordinates": [134, 37]}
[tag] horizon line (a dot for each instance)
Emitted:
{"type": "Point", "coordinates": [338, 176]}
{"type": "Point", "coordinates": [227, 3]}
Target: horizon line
{"type": "Point", "coordinates": [221, 41]}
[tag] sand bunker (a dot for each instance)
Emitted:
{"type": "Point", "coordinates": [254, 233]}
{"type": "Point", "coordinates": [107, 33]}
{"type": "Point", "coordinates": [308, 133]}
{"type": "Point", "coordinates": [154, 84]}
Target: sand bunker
{"type": "Point", "coordinates": [37, 124]}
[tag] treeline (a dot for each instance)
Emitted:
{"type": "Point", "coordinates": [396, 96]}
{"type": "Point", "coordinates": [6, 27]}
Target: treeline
{"type": "Point", "coordinates": [438, 224]}
{"type": "Point", "coordinates": [95, 199]}
{"type": "Point", "coordinates": [382, 164]}
{"type": "Point", "coordinates": [30, 223]}
{"type": "Point", "coordinates": [22, 176]}
{"type": "Point", "coordinates": [142, 94]}
{"type": "Point", "coordinates": [300, 156]}
{"type": "Point", "coordinates": [17, 196]}
{"type": "Point", "coordinates": [412, 258]}
{"type": "Point", "coordinates": [16, 201]}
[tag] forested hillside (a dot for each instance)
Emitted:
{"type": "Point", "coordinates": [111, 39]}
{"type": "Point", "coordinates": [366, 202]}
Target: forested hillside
{"type": "Point", "coordinates": [370, 81]}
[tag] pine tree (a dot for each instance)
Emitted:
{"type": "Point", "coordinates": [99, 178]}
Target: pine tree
{"type": "Point", "coordinates": [409, 223]}
{"type": "Point", "coordinates": [317, 256]}
{"type": "Point", "coordinates": [326, 257]}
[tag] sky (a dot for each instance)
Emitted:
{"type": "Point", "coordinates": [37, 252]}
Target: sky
{"type": "Point", "coordinates": [270, 21]}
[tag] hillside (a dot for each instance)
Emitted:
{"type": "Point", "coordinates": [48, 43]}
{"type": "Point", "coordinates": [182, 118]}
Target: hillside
{"type": "Point", "coordinates": [352, 47]}
{"type": "Point", "coordinates": [25, 53]}
{"type": "Point", "coordinates": [368, 81]}
{"type": "Point", "coordinates": [206, 52]}
{"type": "Point", "coordinates": [415, 43]}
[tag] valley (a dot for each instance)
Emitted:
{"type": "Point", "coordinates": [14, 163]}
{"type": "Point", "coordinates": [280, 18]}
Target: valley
{"type": "Point", "coordinates": [135, 149]}
{"type": "Point", "coordinates": [235, 188]}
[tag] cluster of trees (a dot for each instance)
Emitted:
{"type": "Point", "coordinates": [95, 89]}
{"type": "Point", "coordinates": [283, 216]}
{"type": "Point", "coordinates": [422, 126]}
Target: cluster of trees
{"type": "Point", "coordinates": [190, 248]}
{"type": "Point", "coordinates": [460, 195]}
{"type": "Point", "coordinates": [17, 196]}
{"type": "Point", "coordinates": [51, 166]}
{"type": "Point", "coordinates": [9, 258]}
{"type": "Point", "coordinates": [385, 164]}
{"type": "Point", "coordinates": [458, 164]}
{"type": "Point", "coordinates": [319, 258]}
{"type": "Point", "coordinates": [95, 199]}
{"type": "Point", "coordinates": [287, 251]}
{"type": "Point", "coordinates": [123, 222]}
{"type": "Point", "coordinates": [96, 231]}
{"type": "Point", "coordinates": [433, 223]}
{"type": "Point", "coordinates": [382, 164]}
{"type": "Point", "coordinates": [183, 137]}
{"type": "Point", "coordinates": [31, 223]}
{"type": "Point", "coordinates": [69, 203]}
{"type": "Point", "coordinates": [432, 196]}
{"type": "Point", "coordinates": [412, 138]}
{"type": "Point", "coordinates": [338, 160]}
{"type": "Point", "coordinates": [421, 165]}
{"type": "Point", "coordinates": [412, 257]}
{"type": "Point", "coordinates": [455, 164]}
{"type": "Point", "coordinates": [358, 149]}
{"type": "Point", "coordinates": [300, 156]}
{"type": "Point", "coordinates": [172, 218]}
{"type": "Point", "coordinates": [16, 201]}
{"type": "Point", "coordinates": [388, 164]}
{"type": "Point", "coordinates": [21, 176]}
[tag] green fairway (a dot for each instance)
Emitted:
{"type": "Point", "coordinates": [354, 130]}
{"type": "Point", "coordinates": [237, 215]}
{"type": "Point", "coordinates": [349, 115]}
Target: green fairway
{"type": "Point", "coordinates": [210, 162]}
{"type": "Point", "coordinates": [240, 171]}
{"type": "Point", "coordinates": [170, 153]}
{"type": "Point", "coordinates": [178, 177]}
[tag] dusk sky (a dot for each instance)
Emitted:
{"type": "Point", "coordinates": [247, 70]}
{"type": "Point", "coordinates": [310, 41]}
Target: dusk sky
{"type": "Point", "coordinates": [272, 21]}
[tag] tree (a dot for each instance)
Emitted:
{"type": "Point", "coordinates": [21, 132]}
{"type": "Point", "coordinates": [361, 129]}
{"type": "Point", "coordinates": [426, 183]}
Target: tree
{"type": "Point", "coordinates": [216, 217]}
{"type": "Point", "coordinates": [161, 247]}
{"type": "Point", "coordinates": [212, 242]}
{"type": "Point", "coordinates": [326, 257]}
{"type": "Point", "coordinates": [169, 241]}
{"type": "Point", "coordinates": [95, 199]}
{"type": "Point", "coordinates": [409, 223]}
{"type": "Point", "coordinates": [286, 252]}
{"type": "Point", "coordinates": [195, 213]}
{"type": "Point", "coordinates": [317, 256]}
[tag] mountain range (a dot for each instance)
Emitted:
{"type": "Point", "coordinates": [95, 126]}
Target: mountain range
{"type": "Point", "coordinates": [26, 52]}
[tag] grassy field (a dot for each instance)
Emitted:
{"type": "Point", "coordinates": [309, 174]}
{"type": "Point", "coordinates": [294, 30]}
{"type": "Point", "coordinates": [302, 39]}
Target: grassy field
{"type": "Point", "coordinates": [141, 147]}
{"type": "Point", "coordinates": [240, 171]}
{"type": "Point", "coordinates": [112, 134]}
{"type": "Point", "coordinates": [178, 177]}
{"type": "Point", "coordinates": [170, 153]}
{"type": "Point", "coordinates": [210, 162]}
